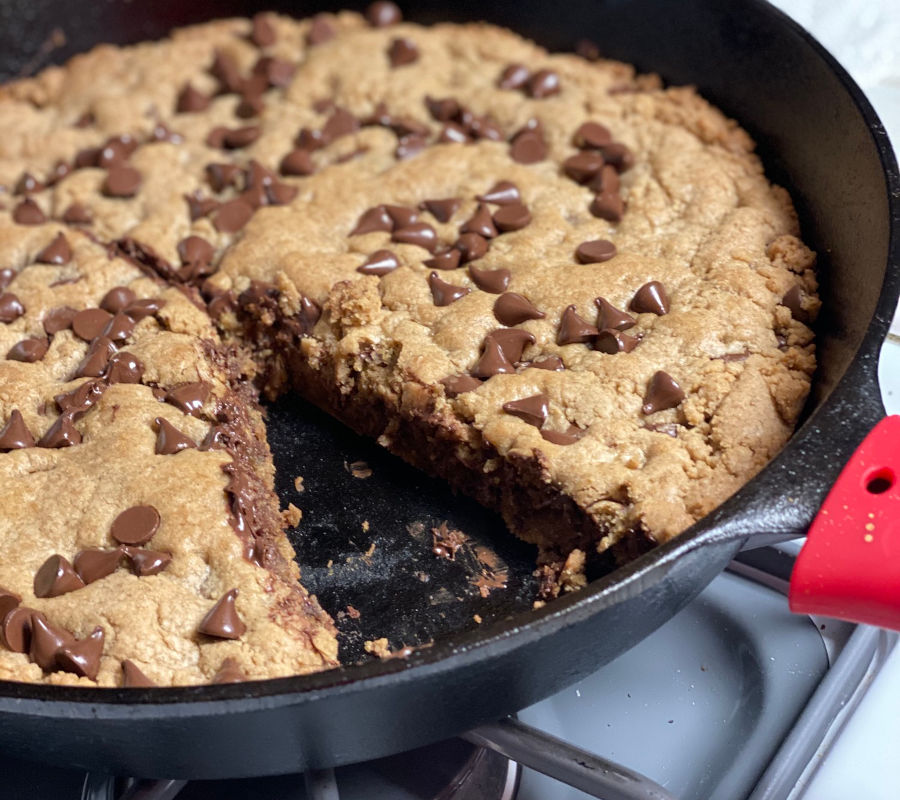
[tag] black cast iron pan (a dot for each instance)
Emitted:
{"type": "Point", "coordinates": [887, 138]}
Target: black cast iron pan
{"type": "Point", "coordinates": [818, 136]}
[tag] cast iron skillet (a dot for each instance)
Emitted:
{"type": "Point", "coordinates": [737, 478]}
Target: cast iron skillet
{"type": "Point", "coordinates": [817, 135]}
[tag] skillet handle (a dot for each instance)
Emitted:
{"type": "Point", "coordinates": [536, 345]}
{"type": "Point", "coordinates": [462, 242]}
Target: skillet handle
{"type": "Point", "coordinates": [849, 567]}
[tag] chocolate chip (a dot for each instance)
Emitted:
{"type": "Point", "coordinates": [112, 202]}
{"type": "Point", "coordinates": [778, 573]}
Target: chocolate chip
{"type": "Point", "coordinates": [88, 157]}
{"type": "Point", "coordinates": [444, 293]}
{"type": "Point", "coordinates": [592, 135]}
{"type": "Point", "coordinates": [55, 577]}
{"type": "Point", "coordinates": [451, 132]}
{"type": "Point", "coordinates": [82, 657]}
{"type": "Point", "coordinates": [552, 363]}
{"type": "Point", "coordinates": [96, 360]}
{"type": "Point", "coordinates": [532, 409]}
{"type": "Point", "coordinates": [493, 360]}
{"type": "Point", "coordinates": [10, 307]}
{"type": "Point", "coordinates": [564, 438]}
{"type": "Point", "coordinates": [28, 213]}
{"type": "Point", "coordinates": [281, 194]}
{"type": "Point", "coordinates": [512, 341]}
{"type": "Point", "coordinates": [320, 30]}
{"type": "Point", "coordinates": [793, 299]}
{"type": "Point", "coordinates": [77, 402]}
{"type": "Point", "coordinates": [135, 525]}
{"type": "Point", "coordinates": [443, 109]}
{"type": "Point", "coordinates": [14, 435]}
{"type": "Point", "coordinates": [512, 217]}
{"type": "Point", "coordinates": [514, 76]}
{"type": "Point", "coordinates": [409, 146]}
{"type": "Point", "coordinates": [16, 629]}
{"type": "Point", "coordinates": [408, 126]}
{"type": "Point", "coordinates": [77, 214]}
{"type": "Point", "coordinates": [27, 184]}
{"type": "Point", "coordinates": [420, 234]}
{"type": "Point", "coordinates": [651, 298]}
{"type": "Point", "coordinates": [401, 216]}
{"type": "Point", "coordinates": [511, 308]}
{"type": "Point", "coordinates": [471, 247]}
{"type": "Point", "coordinates": [7, 275]}
{"type": "Point", "coordinates": [250, 105]}
{"type": "Point", "coordinates": [8, 601]}
{"type": "Point", "coordinates": [122, 181]}
{"type": "Point", "coordinates": [297, 162]}
{"type": "Point", "coordinates": [382, 14]}
{"type": "Point", "coordinates": [147, 562]}
{"type": "Point", "coordinates": [28, 350]}
{"type": "Point", "coordinates": [608, 206]}
{"type": "Point", "coordinates": [140, 309]}
{"type": "Point", "coordinates": [574, 329]}
{"type": "Point", "coordinates": [595, 251]}
{"type": "Point", "coordinates": [612, 317]}
{"type": "Point", "coordinates": [116, 151]}
{"type": "Point", "coordinates": [57, 252]}
{"type": "Point", "coordinates": [232, 216]}
{"type": "Point", "coordinates": [225, 69]}
{"type": "Point", "coordinates": [459, 384]}
{"type": "Point", "coordinates": [276, 72]}
{"type": "Point", "coordinates": [480, 222]}
{"type": "Point", "coordinates": [189, 397]}
{"type": "Point", "coordinates": [222, 620]}
{"type": "Point", "coordinates": [190, 100]}
{"type": "Point", "coordinates": [374, 219]}
{"type": "Point", "coordinates": [117, 299]}
{"type": "Point", "coordinates": [340, 123]}
{"type": "Point", "coordinates": [402, 51]}
{"type": "Point", "coordinates": [170, 440]}
{"type": "Point", "coordinates": [262, 32]}
{"type": "Point", "coordinates": [309, 315]}
{"type": "Point", "coordinates": [493, 281]}
{"type": "Point", "coordinates": [119, 328]}
{"type": "Point", "coordinates": [502, 193]}
{"type": "Point", "coordinates": [236, 138]}
{"type": "Point", "coordinates": [381, 262]}
{"type": "Point", "coordinates": [199, 206]}
{"type": "Point", "coordinates": [229, 672]}
{"type": "Point", "coordinates": [46, 640]}
{"type": "Point", "coordinates": [449, 259]}
{"type": "Point", "coordinates": [60, 171]}
{"type": "Point", "coordinates": [94, 564]}
{"type": "Point", "coordinates": [133, 678]}
{"type": "Point", "coordinates": [124, 368]}
{"type": "Point", "coordinates": [543, 83]}
{"type": "Point", "coordinates": [89, 323]}
{"type": "Point", "coordinates": [618, 155]}
{"type": "Point", "coordinates": [195, 250]}
{"type": "Point", "coordinates": [485, 128]}
{"type": "Point", "coordinates": [662, 393]}
{"type": "Point", "coordinates": [612, 341]}
{"type": "Point", "coordinates": [583, 166]}
{"type": "Point", "coordinates": [528, 147]}
{"type": "Point", "coordinates": [442, 210]}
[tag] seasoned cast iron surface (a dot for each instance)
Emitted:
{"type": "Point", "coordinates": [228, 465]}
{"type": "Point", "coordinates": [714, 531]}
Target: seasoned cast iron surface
{"type": "Point", "coordinates": [365, 540]}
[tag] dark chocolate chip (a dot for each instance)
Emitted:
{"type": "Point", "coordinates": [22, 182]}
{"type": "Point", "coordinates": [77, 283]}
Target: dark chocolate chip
{"type": "Point", "coordinates": [420, 234]}
{"type": "Point", "coordinates": [595, 251]}
{"type": "Point", "coordinates": [608, 206]}
{"type": "Point", "coordinates": [7, 275]}
{"type": "Point", "coordinates": [607, 180]}
{"type": "Point", "coordinates": [443, 109]}
{"type": "Point", "coordinates": [543, 83]}
{"type": "Point", "coordinates": [340, 123]}
{"type": "Point", "coordinates": [502, 193]}
{"type": "Point", "coordinates": [133, 678]}
{"type": "Point", "coordinates": [409, 146]}
{"type": "Point", "coordinates": [229, 672]}
{"type": "Point", "coordinates": [528, 147]}
{"type": "Point", "coordinates": [552, 363]}
{"type": "Point", "coordinates": [60, 171]}
{"type": "Point", "coordinates": [512, 217]}
{"type": "Point", "coordinates": [116, 151]}
{"type": "Point", "coordinates": [408, 126]}
{"type": "Point", "coordinates": [236, 138]}
{"type": "Point", "coordinates": [662, 392]}
{"type": "Point", "coordinates": [135, 525]}
{"type": "Point", "coordinates": [612, 317]}
{"type": "Point", "coordinates": [28, 350]}
{"type": "Point", "coordinates": [200, 206]}
{"type": "Point", "coordinates": [28, 213]}
{"type": "Point", "coordinates": [57, 252]}
{"type": "Point", "coordinates": [190, 100]}
{"type": "Point", "coordinates": [170, 440]}
{"type": "Point", "coordinates": [280, 194]}
{"type": "Point", "coordinates": [15, 628]}
{"type": "Point", "coordinates": [651, 298]}
{"type": "Point", "coordinates": [320, 30]}
{"type": "Point", "coordinates": [493, 360]}
{"type": "Point", "coordinates": [592, 135]}
{"type": "Point", "coordinates": [442, 210]}
{"type": "Point", "coordinates": [122, 181]}
{"type": "Point", "coordinates": [11, 307]}
{"type": "Point", "coordinates": [382, 14]}
{"type": "Point", "coordinates": [46, 640]}
{"type": "Point", "coordinates": [88, 157]}
{"type": "Point", "coordinates": [189, 397]}
{"type": "Point", "coordinates": [221, 176]}
{"type": "Point", "coordinates": [232, 216]}
{"type": "Point", "coordinates": [262, 32]}
{"type": "Point", "coordinates": [225, 69]}
{"type": "Point", "coordinates": [82, 657]}
{"type": "Point", "coordinates": [612, 341]}
{"type": "Point", "coordinates": [297, 162]}
{"type": "Point", "coordinates": [14, 435]}
{"type": "Point", "coordinates": [309, 315]}
{"type": "Point", "coordinates": [94, 564]}
{"type": "Point", "coordinates": [514, 76]}
{"type": "Point", "coordinates": [381, 262]}
{"type": "Point", "coordinates": [793, 299]}
{"type": "Point", "coordinates": [55, 577]}
{"type": "Point", "coordinates": [195, 250]}
{"type": "Point", "coordinates": [471, 247]}
{"type": "Point", "coordinates": [275, 71]}
{"type": "Point", "coordinates": [444, 293]}
{"type": "Point", "coordinates": [451, 132]}
{"type": "Point", "coordinates": [147, 562]}
{"type": "Point", "coordinates": [119, 328]}
{"type": "Point", "coordinates": [250, 105]}
{"type": "Point", "coordinates": [140, 309]}
{"type": "Point", "coordinates": [449, 259]}
{"type": "Point", "coordinates": [618, 155]}
{"type": "Point", "coordinates": [401, 216]}
{"type": "Point", "coordinates": [493, 281]}
{"type": "Point", "coordinates": [512, 308]}
{"type": "Point", "coordinates": [459, 384]}
{"type": "Point", "coordinates": [374, 219]}
{"type": "Point", "coordinates": [563, 438]}
{"type": "Point", "coordinates": [402, 51]}
{"type": "Point", "coordinates": [485, 128]}
{"type": "Point", "coordinates": [573, 329]}
{"type": "Point", "coordinates": [89, 323]}
{"type": "Point", "coordinates": [8, 601]}
{"type": "Point", "coordinates": [480, 222]}
{"type": "Point", "coordinates": [533, 409]}
{"type": "Point", "coordinates": [512, 341]}
{"type": "Point", "coordinates": [117, 299]}
{"type": "Point", "coordinates": [583, 166]}
{"type": "Point", "coordinates": [27, 184]}
{"type": "Point", "coordinates": [124, 368]}
{"type": "Point", "coordinates": [222, 620]}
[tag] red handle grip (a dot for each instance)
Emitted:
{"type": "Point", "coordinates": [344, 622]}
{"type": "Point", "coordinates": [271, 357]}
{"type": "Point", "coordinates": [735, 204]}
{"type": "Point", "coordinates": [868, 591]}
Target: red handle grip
{"type": "Point", "coordinates": [849, 567]}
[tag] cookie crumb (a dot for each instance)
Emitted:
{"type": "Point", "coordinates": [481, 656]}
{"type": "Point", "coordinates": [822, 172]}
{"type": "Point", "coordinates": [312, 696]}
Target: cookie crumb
{"type": "Point", "coordinates": [353, 613]}
{"type": "Point", "coordinates": [292, 515]}
{"type": "Point", "coordinates": [477, 618]}
{"type": "Point", "coordinates": [298, 483]}
{"type": "Point", "coordinates": [358, 469]}
{"type": "Point", "coordinates": [378, 647]}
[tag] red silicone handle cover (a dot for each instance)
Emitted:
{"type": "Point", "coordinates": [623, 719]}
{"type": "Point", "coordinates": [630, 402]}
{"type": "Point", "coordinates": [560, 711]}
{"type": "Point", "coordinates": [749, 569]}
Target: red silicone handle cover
{"type": "Point", "coordinates": [849, 567]}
